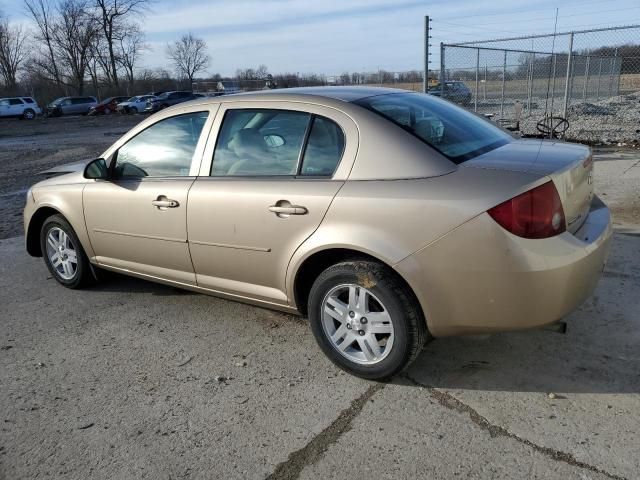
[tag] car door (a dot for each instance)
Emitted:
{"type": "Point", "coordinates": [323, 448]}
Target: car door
{"type": "Point", "coordinates": [262, 191]}
{"type": "Point", "coordinates": [16, 106]}
{"type": "Point", "coordinates": [4, 107]}
{"type": "Point", "coordinates": [137, 220]}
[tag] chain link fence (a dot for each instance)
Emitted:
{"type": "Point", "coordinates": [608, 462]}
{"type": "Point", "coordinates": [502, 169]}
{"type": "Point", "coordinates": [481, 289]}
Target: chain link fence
{"type": "Point", "coordinates": [591, 78]}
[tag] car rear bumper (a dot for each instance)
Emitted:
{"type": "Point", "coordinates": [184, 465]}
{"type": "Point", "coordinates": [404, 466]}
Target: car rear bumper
{"type": "Point", "coordinates": [479, 278]}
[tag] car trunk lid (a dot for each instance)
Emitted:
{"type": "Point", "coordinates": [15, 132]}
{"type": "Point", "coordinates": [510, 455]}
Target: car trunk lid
{"type": "Point", "coordinates": [569, 165]}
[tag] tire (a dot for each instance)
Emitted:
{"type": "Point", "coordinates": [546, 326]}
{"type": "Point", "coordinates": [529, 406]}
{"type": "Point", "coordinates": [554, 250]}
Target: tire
{"type": "Point", "coordinates": [81, 275]}
{"type": "Point", "coordinates": [29, 114]}
{"type": "Point", "coordinates": [133, 110]}
{"type": "Point", "coordinates": [107, 111]}
{"type": "Point", "coordinates": [395, 317]}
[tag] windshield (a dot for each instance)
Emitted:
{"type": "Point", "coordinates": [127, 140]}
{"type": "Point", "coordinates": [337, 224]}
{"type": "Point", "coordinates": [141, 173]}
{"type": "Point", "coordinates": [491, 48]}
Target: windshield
{"type": "Point", "coordinates": [56, 102]}
{"type": "Point", "coordinates": [451, 130]}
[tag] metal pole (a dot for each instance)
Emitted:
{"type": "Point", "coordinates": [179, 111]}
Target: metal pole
{"type": "Point", "coordinates": [586, 80]}
{"type": "Point", "coordinates": [599, 75]}
{"type": "Point", "coordinates": [475, 103]}
{"type": "Point", "coordinates": [442, 69]}
{"type": "Point", "coordinates": [553, 75]}
{"type": "Point", "coordinates": [568, 77]}
{"type": "Point", "coordinates": [530, 89]}
{"type": "Point", "coordinates": [504, 77]}
{"type": "Point", "coordinates": [425, 78]}
{"type": "Point", "coordinates": [613, 62]}
{"type": "Point", "coordinates": [484, 86]}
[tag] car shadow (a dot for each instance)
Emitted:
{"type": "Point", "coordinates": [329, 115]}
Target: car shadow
{"type": "Point", "coordinates": [598, 354]}
{"type": "Point", "coordinates": [117, 282]}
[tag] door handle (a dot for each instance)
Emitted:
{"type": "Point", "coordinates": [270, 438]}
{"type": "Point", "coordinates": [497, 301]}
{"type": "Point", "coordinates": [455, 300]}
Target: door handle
{"type": "Point", "coordinates": [164, 202]}
{"type": "Point", "coordinates": [288, 210]}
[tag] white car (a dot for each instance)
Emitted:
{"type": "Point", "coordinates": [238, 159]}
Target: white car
{"type": "Point", "coordinates": [134, 104]}
{"type": "Point", "coordinates": [20, 107]}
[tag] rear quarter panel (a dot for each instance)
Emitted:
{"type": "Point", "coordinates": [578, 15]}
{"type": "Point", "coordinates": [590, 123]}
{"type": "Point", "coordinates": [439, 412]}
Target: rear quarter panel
{"type": "Point", "coordinates": [392, 219]}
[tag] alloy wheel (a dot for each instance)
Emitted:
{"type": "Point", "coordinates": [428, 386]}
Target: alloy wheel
{"type": "Point", "coordinates": [357, 324]}
{"type": "Point", "coordinates": [62, 253]}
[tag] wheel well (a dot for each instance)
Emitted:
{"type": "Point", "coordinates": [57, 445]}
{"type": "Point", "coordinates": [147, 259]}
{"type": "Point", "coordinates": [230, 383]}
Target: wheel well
{"type": "Point", "coordinates": [320, 261]}
{"type": "Point", "coordinates": [33, 232]}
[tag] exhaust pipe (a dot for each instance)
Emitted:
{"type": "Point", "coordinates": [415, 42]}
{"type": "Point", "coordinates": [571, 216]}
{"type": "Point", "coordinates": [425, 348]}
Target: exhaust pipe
{"type": "Point", "coordinates": [558, 327]}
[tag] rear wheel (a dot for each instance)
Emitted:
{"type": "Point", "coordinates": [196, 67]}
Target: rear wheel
{"type": "Point", "coordinates": [29, 114]}
{"type": "Point", "coordinates": [365, 319]}
{"type": "Point", "coordinates": [63, 254]}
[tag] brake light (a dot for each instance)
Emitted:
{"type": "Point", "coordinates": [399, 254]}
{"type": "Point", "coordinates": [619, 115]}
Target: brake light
{"type": "Point", "coordinates": [537, 213]}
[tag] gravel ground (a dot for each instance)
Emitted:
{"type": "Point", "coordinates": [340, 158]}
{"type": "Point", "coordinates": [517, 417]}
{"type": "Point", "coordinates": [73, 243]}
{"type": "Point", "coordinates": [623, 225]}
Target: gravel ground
{"type": "Point", "coordinates": [131, 379]}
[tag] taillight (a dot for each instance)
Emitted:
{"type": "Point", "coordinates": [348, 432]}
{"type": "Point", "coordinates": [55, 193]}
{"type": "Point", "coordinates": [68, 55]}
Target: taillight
{"type": "Point", "coordinates": [537, 213]}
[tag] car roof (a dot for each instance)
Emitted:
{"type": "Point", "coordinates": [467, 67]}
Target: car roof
{"type": "Point", "coordinates": [346, 94]}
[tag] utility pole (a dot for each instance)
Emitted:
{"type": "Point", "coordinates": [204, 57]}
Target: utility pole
{"type": "Point", "coordinates": [427, 37]}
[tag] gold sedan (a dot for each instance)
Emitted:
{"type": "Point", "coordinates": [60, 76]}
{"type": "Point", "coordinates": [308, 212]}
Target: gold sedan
{"type": "Point", "coordinates": [387, 217]}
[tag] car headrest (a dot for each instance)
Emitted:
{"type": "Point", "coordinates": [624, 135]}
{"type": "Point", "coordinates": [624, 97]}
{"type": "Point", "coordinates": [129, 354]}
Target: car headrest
{"type": "Point", "coordinates": [248, 142]}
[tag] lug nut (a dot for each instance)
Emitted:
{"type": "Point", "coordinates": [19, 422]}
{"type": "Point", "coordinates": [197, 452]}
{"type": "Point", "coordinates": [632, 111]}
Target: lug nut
{"type": "Point", "coordinates": [352, 314]}
{"type": "Point", "coordinates": [361, 332]}
{"type": "Point", "coordinates": [363, 320]}
{"type": "Point", "coordinates": [348, 326]}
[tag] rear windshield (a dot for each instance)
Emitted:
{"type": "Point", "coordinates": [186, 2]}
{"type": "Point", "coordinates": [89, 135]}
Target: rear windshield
{"type": "Point", "coordinates": [451, 130]}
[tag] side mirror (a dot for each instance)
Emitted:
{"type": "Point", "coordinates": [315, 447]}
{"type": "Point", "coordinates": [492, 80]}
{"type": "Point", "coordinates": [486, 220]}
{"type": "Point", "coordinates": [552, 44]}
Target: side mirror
{"type": "Point", "coordinates": [97, 169]}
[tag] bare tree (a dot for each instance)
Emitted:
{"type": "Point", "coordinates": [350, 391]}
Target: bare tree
{"type": "Point", "coordinates": [113, 14]}
{"type": "Point", "coordinates": [189, 56]}
{"type": "Point", "coordinates": [13, 52]}
{"type": "Point", "coordinates": [42, 13]}
{"type": "Point", "coordinates": [73, 34]}
{"type": "Point", "coordinates": [130, 47]}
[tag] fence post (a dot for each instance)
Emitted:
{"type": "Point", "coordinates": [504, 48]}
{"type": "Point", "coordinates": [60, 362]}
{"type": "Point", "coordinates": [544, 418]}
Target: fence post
{"type": "Point", "coordinates": [425, 78]}
{"type": "Point", "coordinates": [504, 78]}
{"type": "Point", "coordinates": [475, 106]}
{"type": "Point", "coordinates": [532, 62]}
{"type": "Point", "coordinates": [599, 75]}
{"type": "Point", "coordinates": [569, 78]}
{"type": "Point", "coordinates": [586, 80]}
{"type": "Point", "coordinates": [484, 86]}
{"type": "Point", "coordinates": [442, 69]}
{"type": "Point", "coordinates": [613, 63]}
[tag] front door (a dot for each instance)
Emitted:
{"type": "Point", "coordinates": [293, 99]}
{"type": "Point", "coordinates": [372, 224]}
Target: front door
{"type": "Point", "coordinates": [137, 220]}
{"type": "Point", "coordinates": [268, 189]}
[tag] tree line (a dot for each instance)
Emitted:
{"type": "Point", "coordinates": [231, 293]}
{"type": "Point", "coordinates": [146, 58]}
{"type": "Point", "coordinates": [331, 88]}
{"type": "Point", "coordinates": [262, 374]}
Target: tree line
{"type": "Point", "coordinates": [79, 45]}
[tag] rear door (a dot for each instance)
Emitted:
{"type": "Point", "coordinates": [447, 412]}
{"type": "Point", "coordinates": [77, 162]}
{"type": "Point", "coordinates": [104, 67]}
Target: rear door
{"type": "Point", "coordinates": [137, 221]}
{"type": "Point", "coordinates": [264, 187]}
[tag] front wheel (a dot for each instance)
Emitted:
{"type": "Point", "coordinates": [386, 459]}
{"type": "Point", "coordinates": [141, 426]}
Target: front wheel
{"type": "Point", "coordinates": [63, 254]}
{"type": "Point", "coordinates": [29, 114]}
{"type": "Point", "coordinates": [365, 319]}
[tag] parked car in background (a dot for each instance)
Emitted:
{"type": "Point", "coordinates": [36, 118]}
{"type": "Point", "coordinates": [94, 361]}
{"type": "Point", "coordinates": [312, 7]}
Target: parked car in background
{"type": "Point", "coordinates": [19, 107]}
{"type": "Point", "coordinates": [134, 104]}
{"type": "Point", "coordinates": [70, 106]}
{"type": "Point", "coordinates": [107, 106]}
{"type": "Point", "coordinates": [289, 199]}
{"type": "Point", "coordinates": [168, 99]}
{"type": "Point", "coordinates": [455, 91]}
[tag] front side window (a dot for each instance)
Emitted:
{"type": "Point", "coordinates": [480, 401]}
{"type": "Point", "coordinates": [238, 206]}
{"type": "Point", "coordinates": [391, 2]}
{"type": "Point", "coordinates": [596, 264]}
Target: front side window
{"type": "Point", "coordinates": [260, 142]}
{"type": "Point", "coordinates": [165, 149]}
{"type": "Point", "coordinates": [454, 132]}
{"type": "Point", "coordinates": [15, 101]}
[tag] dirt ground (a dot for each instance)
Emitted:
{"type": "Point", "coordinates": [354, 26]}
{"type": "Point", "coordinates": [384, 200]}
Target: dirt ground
{"type": "Point", "coordinates": [134, 380]}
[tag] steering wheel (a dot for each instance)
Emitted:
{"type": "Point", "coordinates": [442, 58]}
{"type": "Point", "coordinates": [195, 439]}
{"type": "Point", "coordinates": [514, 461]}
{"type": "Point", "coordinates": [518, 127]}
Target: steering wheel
{"type": "Point", "coordinates": [553, 126]}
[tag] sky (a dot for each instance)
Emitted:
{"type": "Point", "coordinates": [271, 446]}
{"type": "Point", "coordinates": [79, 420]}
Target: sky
{"type": "Point", "coordinates": [333, 36]}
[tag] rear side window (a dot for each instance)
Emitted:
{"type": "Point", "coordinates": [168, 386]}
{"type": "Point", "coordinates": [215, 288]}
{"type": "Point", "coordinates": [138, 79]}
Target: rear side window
{"type": "Point", "coordinates": [451, 130]}
{"type": "Point", "coordinates": [260, 142]}
{"type": "Point", "coordinates": [165, 149]}
{"type": "Point", "coordinates": [28, 100]}
{"type": "Point", "coordinates": [324, 148]}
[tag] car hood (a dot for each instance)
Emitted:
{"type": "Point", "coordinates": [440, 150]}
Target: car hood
{"type": "Point", "coordinates": [66, 168]}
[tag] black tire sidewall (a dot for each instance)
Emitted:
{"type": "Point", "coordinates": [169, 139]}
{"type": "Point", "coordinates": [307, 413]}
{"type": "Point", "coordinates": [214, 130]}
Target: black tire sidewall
{"type": "Point", "coordinates": [83, 272]}
{"type": "Point", "coordinates": [386, 290]}
{"type": "Point", "coordinates": [27, 112]}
